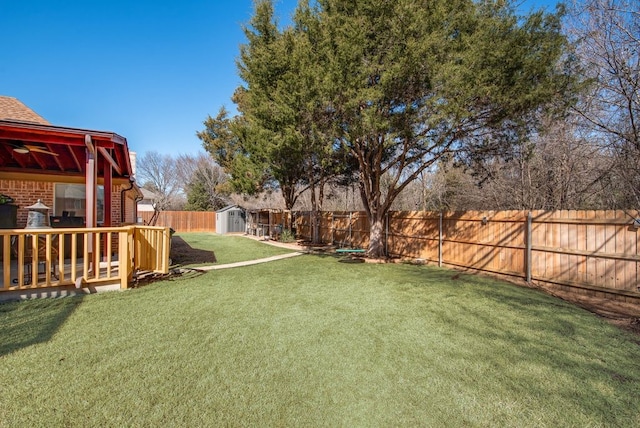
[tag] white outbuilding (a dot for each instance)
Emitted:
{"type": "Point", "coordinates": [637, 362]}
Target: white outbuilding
{"type": "Point", "coordinates": [231, 219]}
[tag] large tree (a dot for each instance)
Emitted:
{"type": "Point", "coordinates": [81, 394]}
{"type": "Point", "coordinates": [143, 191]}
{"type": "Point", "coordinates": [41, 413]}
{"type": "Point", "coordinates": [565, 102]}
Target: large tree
{"type": "Point", "coordinates": [414, 81]}
{"type": "Point", "coordinates": [392, 86]}
{"type": "Point", "coordinates": [204, 181]}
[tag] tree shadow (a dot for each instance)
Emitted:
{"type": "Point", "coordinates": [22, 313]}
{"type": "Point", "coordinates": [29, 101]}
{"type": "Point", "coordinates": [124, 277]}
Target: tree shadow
{"type": "Point", "coordinates": [27, 323]}
{"type": "Point", "coordinates": [184, 254]}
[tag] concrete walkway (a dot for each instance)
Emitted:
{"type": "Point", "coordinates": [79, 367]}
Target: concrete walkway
{"type": "Point", "coordinates": [248, 262]}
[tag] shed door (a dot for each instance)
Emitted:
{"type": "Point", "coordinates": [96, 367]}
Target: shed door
{"type": "Point", "coordinates": [235, 222]}
{"type": "Point", "coordinates": [241, 222]}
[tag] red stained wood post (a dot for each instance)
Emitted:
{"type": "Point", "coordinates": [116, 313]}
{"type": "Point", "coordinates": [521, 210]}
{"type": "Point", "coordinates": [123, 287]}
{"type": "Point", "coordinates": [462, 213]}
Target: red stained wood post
{"type": "Point", "coordinates": [108, 175]}
{"type": "Point", "coordinates": [108, 180]}
{"type": "Point", "coordinates": [91, 190]}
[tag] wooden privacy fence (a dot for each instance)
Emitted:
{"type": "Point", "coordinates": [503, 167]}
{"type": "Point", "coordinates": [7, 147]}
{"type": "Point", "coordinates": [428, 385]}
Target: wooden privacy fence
{"type": "Point", "coordinates": [183, 221]}
{"type": "Point", "coordinates": [593, 250]}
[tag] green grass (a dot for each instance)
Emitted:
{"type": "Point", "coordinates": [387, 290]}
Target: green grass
{"type": "Point", "coordinates": [223, 249]}
{"type": "Point", "coordinates": [310, 341]}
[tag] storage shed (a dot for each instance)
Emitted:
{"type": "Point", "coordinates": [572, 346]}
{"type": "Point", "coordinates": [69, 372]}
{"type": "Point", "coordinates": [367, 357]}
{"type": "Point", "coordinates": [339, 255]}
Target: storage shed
{"type": "Point", "coordinates": [230, 219]}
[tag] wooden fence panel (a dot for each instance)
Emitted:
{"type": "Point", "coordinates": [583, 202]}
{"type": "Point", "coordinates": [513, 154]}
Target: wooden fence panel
{"type": "Point", "coordinates": [589, 248]}
{"type": "Point", "coordinates": [184, 221]}
{"type": "Point", "coordinates": [598, 250]}
{"type": "Point", "coordinates": [302, 224]}
{"type": "Point", "coordinates": [414, 234]}
{"type": "Point", "coordinates": [342, 229]}
{"type": "Point", "coordinates": [487, 241]}
{"type": "Point", "coordinates": [326, 228]}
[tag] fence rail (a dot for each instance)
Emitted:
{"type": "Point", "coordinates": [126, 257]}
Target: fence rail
{"type": "Point", "coordinates": [593, 250]}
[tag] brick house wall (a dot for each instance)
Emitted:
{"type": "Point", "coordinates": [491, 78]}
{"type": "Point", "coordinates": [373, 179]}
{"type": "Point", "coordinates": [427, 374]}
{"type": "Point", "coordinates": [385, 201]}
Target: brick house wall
{"type": "Point", "coordinates": [26, 193]}
{"type": "Point", "coordinates": [130, 210]}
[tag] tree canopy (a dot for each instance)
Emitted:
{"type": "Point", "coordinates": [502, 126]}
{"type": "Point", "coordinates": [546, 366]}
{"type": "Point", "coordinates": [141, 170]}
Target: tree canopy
{"type": "Point", "coordinates": [418, 81]}
{"type": "Point", "coordinates": [389, 86]}
{"type": "Point", "coordinates": [607, 35]}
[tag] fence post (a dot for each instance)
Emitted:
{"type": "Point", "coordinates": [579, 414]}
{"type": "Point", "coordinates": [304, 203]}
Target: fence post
{"type": "Point", "coordinates": [440, 240]}
{"type": "Point", "coordinates": [529, 246]}
{"type": "Point", "coordinates": [350, 229]}
{"type": "Point", "coordinates": [386, 235]}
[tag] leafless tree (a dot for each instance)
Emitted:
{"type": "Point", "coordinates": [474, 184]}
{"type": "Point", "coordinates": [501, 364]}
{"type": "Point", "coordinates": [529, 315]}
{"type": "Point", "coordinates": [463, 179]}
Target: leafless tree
{"type": "Point", "coordinates": [200, 173]}
{"type": "Point", "coordinates": [607, 33]}
{"type": "Point", "coordinates": [157, 173]}
{"type": "Point", "coordinates": [560, 169]}
{"type": "Point", "coordinates": [336, 198]}
{"type": "Point", "coordinates": [271, 199]}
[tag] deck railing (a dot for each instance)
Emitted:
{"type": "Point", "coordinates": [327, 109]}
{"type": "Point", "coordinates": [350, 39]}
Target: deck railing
{"type": "Point", "coordinates": [41, 258]}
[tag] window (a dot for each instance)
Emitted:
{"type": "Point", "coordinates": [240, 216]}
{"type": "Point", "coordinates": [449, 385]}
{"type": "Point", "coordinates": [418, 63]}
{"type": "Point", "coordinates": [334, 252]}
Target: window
{"type": "Point", "coordinates": [71, 200]}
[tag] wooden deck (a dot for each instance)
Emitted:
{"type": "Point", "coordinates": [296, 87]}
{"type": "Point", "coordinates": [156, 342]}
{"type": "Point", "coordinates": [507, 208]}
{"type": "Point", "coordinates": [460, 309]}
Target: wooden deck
{"type": "Point", "coordinates": [37, 259]}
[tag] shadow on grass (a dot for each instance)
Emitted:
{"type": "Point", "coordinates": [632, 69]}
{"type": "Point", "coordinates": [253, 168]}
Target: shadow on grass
{"type": "Point", "coordinates": [30, 322]}
{"type": "Point", "coordinates": [542, 333]}
{"type": "Point", "coordinates": [184, 254]}
{"type": "Point", "coordinates": [351, 260]}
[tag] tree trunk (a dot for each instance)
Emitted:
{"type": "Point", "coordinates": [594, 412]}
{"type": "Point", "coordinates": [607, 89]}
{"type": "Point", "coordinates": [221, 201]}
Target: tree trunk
{"type": "Point", "coordinates": [289, 195]}
{"type": "Point", "coordinates": [315, 226]}
{"type": "Point", "coordinates": [376, 248]}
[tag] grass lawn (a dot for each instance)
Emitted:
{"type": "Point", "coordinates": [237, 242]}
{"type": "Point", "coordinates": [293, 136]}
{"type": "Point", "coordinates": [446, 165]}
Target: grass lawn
{"type": "Point", "coordinates": [310, 341]}
{"type": "Point", "coordinates": [190, 249]}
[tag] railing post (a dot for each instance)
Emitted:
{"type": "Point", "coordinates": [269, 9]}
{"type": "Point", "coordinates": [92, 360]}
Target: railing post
{"type": "Point", "coordinates": [124, 257]}
{"type": "Point", "coordinates": [440, 240]}
{"type": "Point", "coordinates": [6, 261]}
{"type": "Point", "coordinates": [529, 247]}
{"type": "Point", "coordinates": [166, 249]}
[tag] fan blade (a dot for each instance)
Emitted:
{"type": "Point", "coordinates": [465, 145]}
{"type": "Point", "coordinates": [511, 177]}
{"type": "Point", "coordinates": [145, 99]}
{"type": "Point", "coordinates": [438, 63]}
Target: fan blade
{"type": "Point", "coordinates": [19, 148]}
{"type": "Point", "coordinates": [40, 150]}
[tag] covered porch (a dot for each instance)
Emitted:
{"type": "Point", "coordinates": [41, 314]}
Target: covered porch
{"type": "Point", "coordinates": [79, 173]}
{"type": "Point", "coordinates": [90, 237]}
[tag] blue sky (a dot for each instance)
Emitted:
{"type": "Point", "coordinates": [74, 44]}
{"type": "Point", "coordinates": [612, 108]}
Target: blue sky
{"type": "Point", "coordinates": [150, 71]}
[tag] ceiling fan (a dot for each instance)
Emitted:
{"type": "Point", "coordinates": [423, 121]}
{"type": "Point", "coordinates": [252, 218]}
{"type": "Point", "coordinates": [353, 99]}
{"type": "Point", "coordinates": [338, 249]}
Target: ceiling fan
{"type": "Point", "coordinates": [22, 148]}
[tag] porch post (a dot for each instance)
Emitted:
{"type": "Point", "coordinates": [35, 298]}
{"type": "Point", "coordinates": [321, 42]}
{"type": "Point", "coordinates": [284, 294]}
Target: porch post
{"type": "Point", "coordinates": [91, 183]}
{"type": "Point", "coordinates": [91, 190]}
{"type": "Point", "coordinates": [108, 175]}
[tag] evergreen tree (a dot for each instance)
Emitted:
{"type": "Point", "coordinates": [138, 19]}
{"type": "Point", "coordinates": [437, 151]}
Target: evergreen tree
{"type": "Point", "coordinates": [413, 82]}
{"type": "Point", "coordinates": [257, 148]}
{"type": "Point", "coordinates": [198, 198]}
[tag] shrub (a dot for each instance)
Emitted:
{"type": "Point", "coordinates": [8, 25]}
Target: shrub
{"type": "Point", "coordinates": [287, 236]}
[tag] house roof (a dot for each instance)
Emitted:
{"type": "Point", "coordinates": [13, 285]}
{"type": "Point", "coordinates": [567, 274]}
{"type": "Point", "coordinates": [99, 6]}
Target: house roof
{"type": "Point", "coordinates": [13, 109]}
{"type": "Point", "coordinates": [229, 208]}
{"type": "Point", "coordinates": [148, 194]}
{"type": "Point", "coordinates": [31, 146]}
